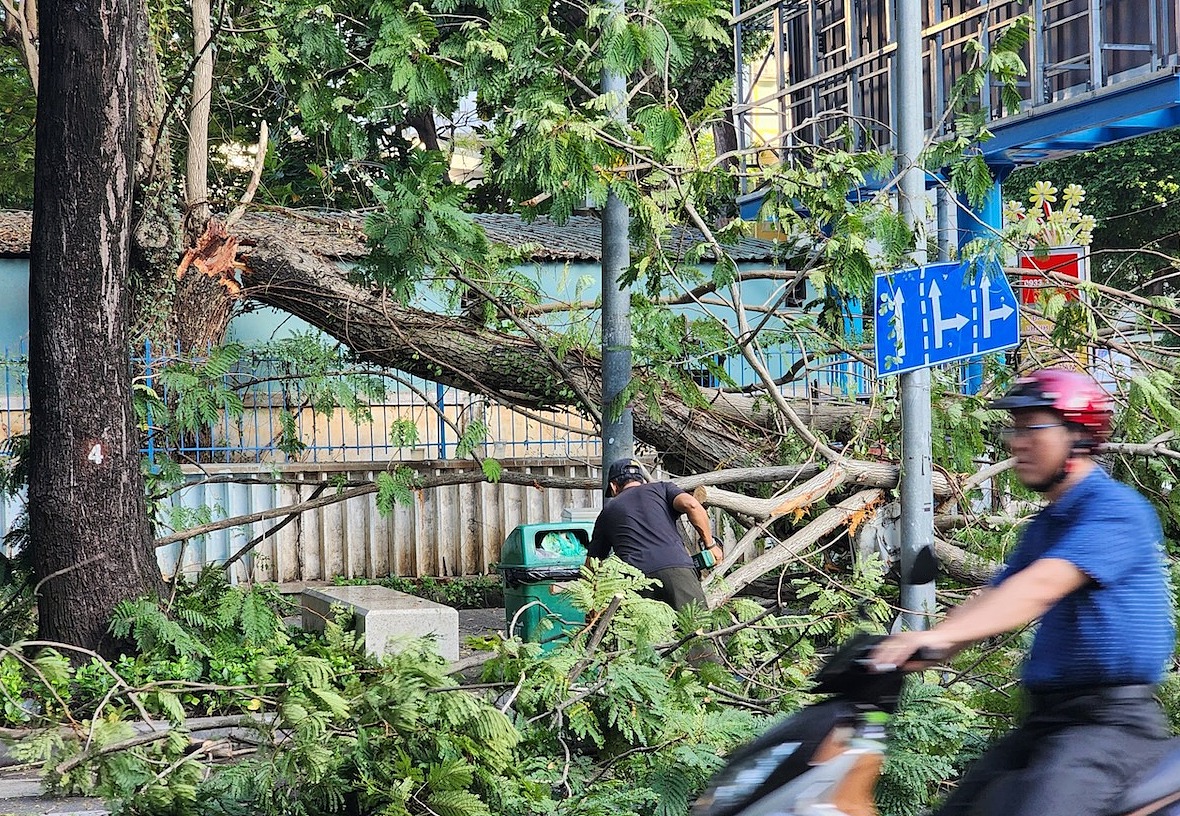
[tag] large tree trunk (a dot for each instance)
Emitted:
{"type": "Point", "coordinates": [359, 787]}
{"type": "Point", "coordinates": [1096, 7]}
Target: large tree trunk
{"type": "Point", "coordinates": [155, 232]}
{"type": "Point", "coordinates": [88, 524]}
{"type": "Point", "coordinates": [190, 314]}
{"type": "Point", "coordinates": [201, 308]}
{"type": "Point", "coordinates": [457, 352]}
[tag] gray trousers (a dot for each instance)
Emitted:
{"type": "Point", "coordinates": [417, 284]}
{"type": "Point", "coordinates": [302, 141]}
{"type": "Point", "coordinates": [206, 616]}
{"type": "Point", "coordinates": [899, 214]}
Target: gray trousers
{"type": "Point", "coordinates": [1072, 756]}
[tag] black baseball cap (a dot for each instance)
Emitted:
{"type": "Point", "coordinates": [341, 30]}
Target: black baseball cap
{"type": "Point", "coordinates": [622, 471]}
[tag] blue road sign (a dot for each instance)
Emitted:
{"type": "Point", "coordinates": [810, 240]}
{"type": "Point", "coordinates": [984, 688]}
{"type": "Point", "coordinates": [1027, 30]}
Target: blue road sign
{"type": "Point", "coordinates": [942, 312]}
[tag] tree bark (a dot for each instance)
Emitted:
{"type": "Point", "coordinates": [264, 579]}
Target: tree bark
{"type": "Point", "coordinates": [796, 545]}
{"type": "Point", "coordinates": [155, 235]}
{"type": "Point", "coordinates": [89, 533]}
{"type": "Point", "coordinates": [458, 353]}
{"type": "Point", "coordinates": [196, 178]}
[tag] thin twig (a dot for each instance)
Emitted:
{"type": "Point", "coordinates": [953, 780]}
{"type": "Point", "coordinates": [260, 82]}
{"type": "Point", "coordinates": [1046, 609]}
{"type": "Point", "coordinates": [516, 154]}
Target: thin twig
{"type": "Point", "coordinates": [600, 627]}
{"type": "Point", "coordinates": [64, 570]}
{"type": "Point", "coordinates": [738, 700]}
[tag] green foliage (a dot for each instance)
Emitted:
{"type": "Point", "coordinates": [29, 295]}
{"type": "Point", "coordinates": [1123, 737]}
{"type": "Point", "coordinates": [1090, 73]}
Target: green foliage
{"type": "Point", "coordinates": [632, 725]}
{"type": "Point", "coordinates": [469, 592]}
{"type": "Point", "coordinates": [472, 437]}
{"type": "Point", "coordinates": [17, 111]}
{"type": "Point", "coordinates": [403, 432]}
{"type": "Point", "coordinates": [961, 424]}
{"type": "Point", "coordinates": [1131, 187]}
{"type": "Point", "coordinates": [928, 735]}
{"type": "Point", "coordinates": [200, 393]}
{"type": "Point", "coordinates": [491, 469]}
{"type": "Point", "coordinates": [151, 629]}
{"type": "Point", "coordinates": [1153, 410]}
{"type": "Point", "coordinates": [395, 487]}
{"type": "Point", "coordinates": [194, 399]}
{"type": "Point", "coordinates": [423, 226]}
{"type": "Point", "coordinates": [17, 601]}
{"type": "Point", "coordinates": [838, 611]}
{"type": "Point", "coordinates": [849, 239]}
{"type": "Point", "coordinates": [318, 374]}
{"type": "Point", "coordinates": [997, 64]}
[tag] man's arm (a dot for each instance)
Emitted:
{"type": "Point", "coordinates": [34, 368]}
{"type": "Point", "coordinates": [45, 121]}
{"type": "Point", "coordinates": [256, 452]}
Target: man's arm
{"type": "Point", "coordinates": [699, 519]}
{"type": "Point", "coordinates": [1020, 599]}
{"type": "Point", "coordinates": [599, 548]}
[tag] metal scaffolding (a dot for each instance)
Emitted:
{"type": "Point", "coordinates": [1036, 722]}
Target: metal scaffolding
{"type": "Point", "coordinates": [809, 71]}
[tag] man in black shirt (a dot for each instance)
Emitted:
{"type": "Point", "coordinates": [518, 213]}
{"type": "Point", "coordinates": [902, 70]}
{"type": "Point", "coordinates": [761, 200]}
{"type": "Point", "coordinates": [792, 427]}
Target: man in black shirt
{"type": "Point", "coordinates": [639, 526]}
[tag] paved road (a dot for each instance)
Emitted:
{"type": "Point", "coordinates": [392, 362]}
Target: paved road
{"type": "Point", "coordinates": [21, 796]}
{"type": "Point", "coordinates": [473, 622]}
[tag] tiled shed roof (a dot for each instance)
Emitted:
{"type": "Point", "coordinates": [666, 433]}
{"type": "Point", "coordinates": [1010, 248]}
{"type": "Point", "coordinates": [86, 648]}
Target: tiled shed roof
{"type": "Point", "coordinates": [15, 228]}
{"type": "Point", "coordinates": [580, 238]}
{"type": "Point", "coordinates": [339, 235]}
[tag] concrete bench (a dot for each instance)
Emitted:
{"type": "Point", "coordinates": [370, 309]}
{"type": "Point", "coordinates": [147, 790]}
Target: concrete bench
{"type": "Point", "coordinates": [383, 615]}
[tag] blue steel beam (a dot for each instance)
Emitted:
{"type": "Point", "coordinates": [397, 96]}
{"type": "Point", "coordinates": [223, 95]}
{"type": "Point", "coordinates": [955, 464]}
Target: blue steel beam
{"type": "Point", "coordinates": [1094, 119]}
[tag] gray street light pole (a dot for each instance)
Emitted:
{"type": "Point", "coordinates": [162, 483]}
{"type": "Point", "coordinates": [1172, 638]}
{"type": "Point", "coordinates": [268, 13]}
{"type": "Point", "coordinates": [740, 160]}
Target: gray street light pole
{"type": "Point", "coordinates": [618, 439]}
{"type": "Point", "coordinates": [917, 489]}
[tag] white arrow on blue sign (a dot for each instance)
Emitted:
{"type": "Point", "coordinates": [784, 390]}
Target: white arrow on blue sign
{"type": "Point", "coordinates": [942, 312]}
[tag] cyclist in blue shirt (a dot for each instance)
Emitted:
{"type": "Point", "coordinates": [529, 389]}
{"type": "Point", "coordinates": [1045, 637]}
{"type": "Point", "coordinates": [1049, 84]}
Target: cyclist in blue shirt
{"type": "Point", "coordinates": [1090, 567]}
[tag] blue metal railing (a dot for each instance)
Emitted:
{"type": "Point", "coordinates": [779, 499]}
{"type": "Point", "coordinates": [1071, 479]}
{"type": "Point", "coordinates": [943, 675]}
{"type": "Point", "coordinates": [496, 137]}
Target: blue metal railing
{"type": "Point", "coordinates": [14, 415]}
{"type": "Point", "coordinates": [277, 405]}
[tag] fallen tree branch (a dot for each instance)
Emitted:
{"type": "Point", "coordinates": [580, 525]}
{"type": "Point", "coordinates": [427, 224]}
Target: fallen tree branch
{"type": "Point", "coordinates": [788, 550]}
{"type": "Point", "coordinates": [147, 732]}
{"type": "Point", "coordinates": [782, 473]}
{"type": "Point", "coordinates": [881, 475]}
{"type": "Point", "coordinates": [1143, 449]}
{"type": "Point", "coordinates": [955, 521]}
{"type": "Point", "coordinates": [962, 565]}
{"type": "Point", "coordinates": [470, 476]}
{"type": "Point", "coordinates": [537, 480]}
{"type": "Point", "coordinates": [739, 551]}
{"type": "Point", "coordinates": [802, 496]}
{"type": "Point", "coordinates": [131, 742]}
{"type": "Point", "coordinates": [258, 539]}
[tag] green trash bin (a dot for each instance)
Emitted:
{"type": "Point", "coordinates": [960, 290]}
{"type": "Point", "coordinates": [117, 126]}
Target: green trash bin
{"type": "Point", "coordinates": [534, 559]}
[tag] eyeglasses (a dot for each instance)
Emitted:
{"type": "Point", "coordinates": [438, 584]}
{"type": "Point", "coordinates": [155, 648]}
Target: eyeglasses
{"type": "Point", "coordinates": [1010, 432]}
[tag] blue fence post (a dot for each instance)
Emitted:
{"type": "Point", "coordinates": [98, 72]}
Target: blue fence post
{"type": "Point", "coordinates": [440, 402]}
{"type": "Point", "coordinates": [151, 426]}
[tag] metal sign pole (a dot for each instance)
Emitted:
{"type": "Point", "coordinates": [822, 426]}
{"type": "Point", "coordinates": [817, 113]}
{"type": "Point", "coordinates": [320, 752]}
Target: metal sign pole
{"type": "Point", "coordinates": [618, 440]}
{"type": "Point", "coordinates": [917, 489]}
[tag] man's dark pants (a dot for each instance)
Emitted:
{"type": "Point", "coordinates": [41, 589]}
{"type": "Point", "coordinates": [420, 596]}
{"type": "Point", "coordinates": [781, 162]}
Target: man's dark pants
{"type": "Point", "coordinates": [1073, 756]}
{"type": "Point", "coordinates": [679, 586]}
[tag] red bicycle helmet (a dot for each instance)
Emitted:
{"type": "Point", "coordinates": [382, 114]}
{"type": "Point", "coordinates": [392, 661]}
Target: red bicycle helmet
{"type": "Point", "coordinates": [1074, 395]}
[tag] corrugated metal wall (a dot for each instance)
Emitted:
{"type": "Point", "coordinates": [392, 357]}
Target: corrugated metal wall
{"type": "Point", "coordinates": [447, 531]}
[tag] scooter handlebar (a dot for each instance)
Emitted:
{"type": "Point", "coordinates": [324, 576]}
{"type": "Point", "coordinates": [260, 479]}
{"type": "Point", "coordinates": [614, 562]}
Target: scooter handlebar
{"type": "Point", "coordinates": [923, 654]}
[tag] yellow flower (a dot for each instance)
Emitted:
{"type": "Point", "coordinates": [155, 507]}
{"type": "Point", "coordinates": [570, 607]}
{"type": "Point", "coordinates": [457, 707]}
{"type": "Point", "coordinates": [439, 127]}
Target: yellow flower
{"type": "Point", "coordinates": [1073, 195]}
{"type": "Point", "coordinates": [1043, 192]}
{"type": "Point", "coordinates": [1085, 237]}
{"type": "Point", "coordinates": [1013, 211]}
{"type": "Point", "coordinates": [1087, 223]}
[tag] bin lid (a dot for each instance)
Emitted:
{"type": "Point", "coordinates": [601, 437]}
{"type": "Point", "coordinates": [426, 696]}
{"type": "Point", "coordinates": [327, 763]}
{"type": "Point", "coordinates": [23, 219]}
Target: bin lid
{"type": "Point", "coordinates": [553, 544]}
